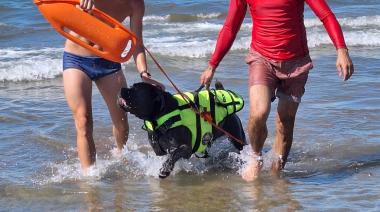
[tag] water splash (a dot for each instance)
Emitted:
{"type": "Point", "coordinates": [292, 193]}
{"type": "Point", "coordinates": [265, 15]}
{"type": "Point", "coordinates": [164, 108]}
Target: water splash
{"type": "Point", "coordinates": [135, 162]}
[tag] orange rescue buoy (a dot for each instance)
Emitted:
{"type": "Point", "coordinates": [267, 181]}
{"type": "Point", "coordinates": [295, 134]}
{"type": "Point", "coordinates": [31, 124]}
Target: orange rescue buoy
{"type": "Point", "coordinates": [111, 37]}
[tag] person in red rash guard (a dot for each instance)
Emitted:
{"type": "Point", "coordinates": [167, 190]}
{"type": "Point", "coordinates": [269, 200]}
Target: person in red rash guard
{"type": "Point", "coordinates": [279, 64]}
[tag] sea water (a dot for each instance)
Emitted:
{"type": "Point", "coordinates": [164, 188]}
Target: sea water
{"type": "Point", "coordinates": [334, 163]}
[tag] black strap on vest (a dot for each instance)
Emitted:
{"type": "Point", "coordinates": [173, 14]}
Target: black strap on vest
{"type": "Point", "coordinates": [212, 109]}
{"type": "Point", "coordinates": [168, 123]}
{"type": "Point", "coordinates": [184, 107]}
{"type": "Point", "coordinates": [198, 124]}
{"type": "Point", "coordinates": [225, 105]}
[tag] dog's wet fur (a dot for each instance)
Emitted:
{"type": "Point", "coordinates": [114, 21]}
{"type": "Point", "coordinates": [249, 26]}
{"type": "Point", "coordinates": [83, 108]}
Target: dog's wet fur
{"type": "Point", "coordinates": [149, 102]}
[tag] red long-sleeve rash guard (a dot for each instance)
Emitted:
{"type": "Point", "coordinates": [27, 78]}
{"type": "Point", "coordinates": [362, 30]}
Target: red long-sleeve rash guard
{"type": "Point", "coordinates": [278, 30]}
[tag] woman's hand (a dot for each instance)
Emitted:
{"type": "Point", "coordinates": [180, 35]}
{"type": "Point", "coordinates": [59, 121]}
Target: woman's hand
{"type": "Point", "coordinates": [86, 5]}
{"type": "Point", "coordinates": [145, 77]}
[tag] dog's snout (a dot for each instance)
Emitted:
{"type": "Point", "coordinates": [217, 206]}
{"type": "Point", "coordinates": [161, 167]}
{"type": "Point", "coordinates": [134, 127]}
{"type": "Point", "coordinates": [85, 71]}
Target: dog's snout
{"type": "Point", "coordinates": [122, 103]}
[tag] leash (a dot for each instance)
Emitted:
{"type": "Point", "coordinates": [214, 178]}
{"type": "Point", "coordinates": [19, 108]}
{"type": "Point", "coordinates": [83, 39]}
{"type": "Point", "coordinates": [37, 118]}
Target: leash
{"type": "Point", "coordinates": [204, 115]}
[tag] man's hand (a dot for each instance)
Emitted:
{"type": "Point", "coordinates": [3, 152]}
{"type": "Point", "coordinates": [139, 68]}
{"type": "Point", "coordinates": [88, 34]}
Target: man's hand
{"type": "Point", "coordinates": [207, 76]}
{"type": "Point", "coordinates": [86, 5]}
{"type": "Point", "coordinates": [344, 64]}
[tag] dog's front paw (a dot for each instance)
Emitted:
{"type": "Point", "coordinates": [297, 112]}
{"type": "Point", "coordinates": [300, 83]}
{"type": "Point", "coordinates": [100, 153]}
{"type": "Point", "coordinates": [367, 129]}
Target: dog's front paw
{"type": "Point", "coordinates": [163, 174]}
{"type": "Point", "coordinates": [166, 168]}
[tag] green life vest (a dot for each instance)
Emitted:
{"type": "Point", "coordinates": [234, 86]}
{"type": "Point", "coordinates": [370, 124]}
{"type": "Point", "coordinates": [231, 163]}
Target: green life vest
{"type": "Point", "coordinates": [220, 104]}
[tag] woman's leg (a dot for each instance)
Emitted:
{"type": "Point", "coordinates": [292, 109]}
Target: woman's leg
{"type": "Point", "coordinates": [109, 86]}
{"type": "Point", "coordinates": [78, 91]}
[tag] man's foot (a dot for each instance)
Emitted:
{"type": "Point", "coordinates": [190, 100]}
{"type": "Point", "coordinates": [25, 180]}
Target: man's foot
{"type": "Point", "coordinates": [251, 172]}
{"type": "Point", "coordinates": [277, 165]}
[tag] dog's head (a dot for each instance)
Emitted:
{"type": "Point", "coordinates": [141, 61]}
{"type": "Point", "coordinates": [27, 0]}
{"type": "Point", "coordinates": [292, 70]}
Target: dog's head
{"type": "Point", "coordinates": [143, 100]}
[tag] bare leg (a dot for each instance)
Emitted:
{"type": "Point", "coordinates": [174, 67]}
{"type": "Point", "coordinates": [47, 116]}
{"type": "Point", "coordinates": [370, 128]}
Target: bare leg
{"type": "Point", "coordinates": [285, 118]}
{"type": "Point", "coordinates": [259, 108]}
{"type": "Point", "coordinates": [109, 86]}
{"type": "Point", "coordinates": [78, 91]}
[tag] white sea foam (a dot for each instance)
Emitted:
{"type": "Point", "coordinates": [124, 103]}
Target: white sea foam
{"type": "Point", "coordinates": [195, 39]}
{"type": "Point", "coordinates": [29, 64]}
{"type": "Point", "coordinates": [134, 163]}
{"type": "Point", "coordinates": [193, 48]}
{"type": "Point", "coordinates": [18, 64]}
{"type": "Point", "coordinates": [155, 18]}
{"type": "Point", "coordinates": [209, 16]}
{"type": "Point", "coordinates": [188, 39]}
{"type": "Point", "coordinates": [368, 38]}
{"type": "Point", "coordinates": [361, 21]}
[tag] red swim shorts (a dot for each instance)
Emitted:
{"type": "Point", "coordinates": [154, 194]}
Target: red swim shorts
{"type": "Point", "coordinates": [287, 79]}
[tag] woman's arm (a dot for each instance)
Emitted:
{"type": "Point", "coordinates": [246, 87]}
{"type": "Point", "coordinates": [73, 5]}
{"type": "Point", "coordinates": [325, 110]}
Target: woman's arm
{"type": "Point", "coordinates": [136, 24]}
{"type": "Point", "coordinates": [139, 56]}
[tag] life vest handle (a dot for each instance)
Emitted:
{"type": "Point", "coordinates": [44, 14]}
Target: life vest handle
{"type": "Point", "coordinates": [199, 89]}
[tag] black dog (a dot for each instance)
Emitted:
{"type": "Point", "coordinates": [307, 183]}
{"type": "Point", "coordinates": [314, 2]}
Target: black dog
{"type": "Point", "coordinates": [174, 128]}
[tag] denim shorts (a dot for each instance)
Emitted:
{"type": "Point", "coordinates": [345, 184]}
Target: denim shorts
{"type": "Point", "coordinates": [93, 67]}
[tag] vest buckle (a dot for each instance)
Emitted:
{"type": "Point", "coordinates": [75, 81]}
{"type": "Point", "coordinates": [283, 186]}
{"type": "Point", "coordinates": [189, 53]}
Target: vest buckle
{"type": "Point", "coordinates": [207, 139]}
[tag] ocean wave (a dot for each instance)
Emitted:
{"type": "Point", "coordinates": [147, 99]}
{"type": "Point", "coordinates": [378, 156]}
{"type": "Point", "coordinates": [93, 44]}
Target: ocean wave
{"type": "Point", "coordinates": [203, 48]}
{"type": "Point", "coordinates": [369, 38]}
{"type": "Point", "coordinates": [29, 65]}
{"type": "Point", "coordinates": [10, 31]}
{"type": "Point", "coordinates": [39, 64]}
{"type": "Point", "coordinates": [5, 8]}
{"type": "Point", "coordinates": [178, 17]}
{"type": "Point", "coordinates": [354, 22]}
{"type": "Point", "coordinates": [19, 64]}
{"type": "Point", "coordinates": [361, 21]}
{"type": "Point", "coordinates": [351, 24]}
{"type": "Point", "coordinates": [197, 39]}
{"type": "Point", "coordinates": [193, 40]}
{"type": "Point", "coordinates": [155, 18]}
{"type": "Point", "coordinates": [190, 48]}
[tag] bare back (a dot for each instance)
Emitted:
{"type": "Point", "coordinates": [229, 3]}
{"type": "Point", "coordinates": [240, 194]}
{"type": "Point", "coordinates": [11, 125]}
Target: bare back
{"type": "Point", "coordinates": [118, 9]}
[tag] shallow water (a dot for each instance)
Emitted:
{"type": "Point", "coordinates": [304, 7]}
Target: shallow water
{"type": "Point", "coordinates": [334, 163]}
